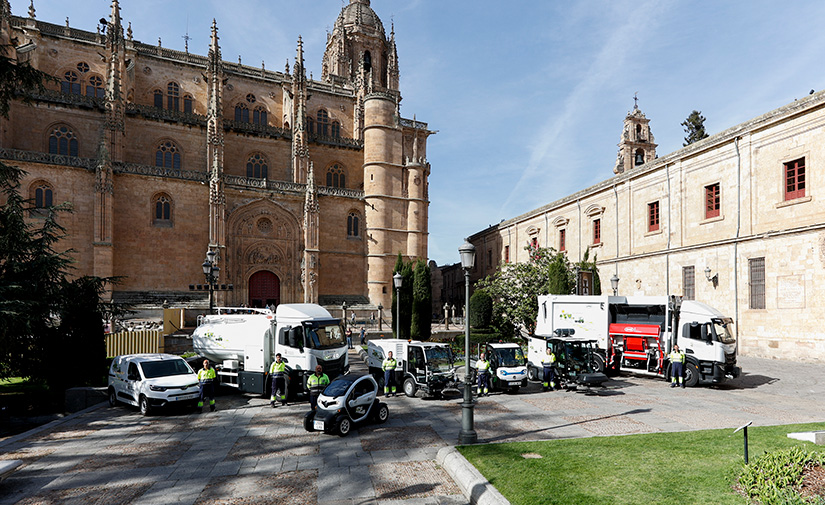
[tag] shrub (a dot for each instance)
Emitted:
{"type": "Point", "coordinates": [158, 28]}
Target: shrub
{"type": "Point", "coordinates": [481, 309]}
{"type": "Point", "coordinates": [773, 478]}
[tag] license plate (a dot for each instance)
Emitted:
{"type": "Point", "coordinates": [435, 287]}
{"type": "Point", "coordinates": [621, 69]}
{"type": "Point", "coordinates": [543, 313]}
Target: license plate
{"type": "Point", "coordinates": [516, 383]}
{"type": "Point", "coordinates": [318, 425]}
{"type": "Point", "coordinates": [185, 397]}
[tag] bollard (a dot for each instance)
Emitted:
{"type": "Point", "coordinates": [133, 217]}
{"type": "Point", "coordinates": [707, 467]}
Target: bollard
{"type": "Point", "coordinates": [744, 429]}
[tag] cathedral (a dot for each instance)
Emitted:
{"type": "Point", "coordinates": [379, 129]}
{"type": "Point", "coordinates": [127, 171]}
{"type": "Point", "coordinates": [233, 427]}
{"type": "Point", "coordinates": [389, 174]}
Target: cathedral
{"type": "Point", "coordinates": [300, 190]}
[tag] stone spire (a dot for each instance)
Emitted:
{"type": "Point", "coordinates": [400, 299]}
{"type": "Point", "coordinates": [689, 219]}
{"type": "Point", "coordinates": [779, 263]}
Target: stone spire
{"type": "Point", "coordinates": [393, 73]}
{"type": "Point", "coordinates": [215, 143]}
{"type": "Point", "coordinates": [309, 263]}
{"type": "Point", "coordinates": [300, 151]}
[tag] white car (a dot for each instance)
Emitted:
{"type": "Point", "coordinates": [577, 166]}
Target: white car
{"type": "Point", "coordinates": [149, 381]}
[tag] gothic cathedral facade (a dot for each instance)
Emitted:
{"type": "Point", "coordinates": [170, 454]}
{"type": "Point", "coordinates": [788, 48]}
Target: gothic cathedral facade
{"type": "Point", "coordinates": [306, 190]}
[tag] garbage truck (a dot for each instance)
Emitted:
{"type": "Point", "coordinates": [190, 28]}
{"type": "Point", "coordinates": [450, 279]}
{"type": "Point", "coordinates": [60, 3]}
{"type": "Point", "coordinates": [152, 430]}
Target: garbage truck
{"type": "Point", "coordinates": [424, 366]}
{"type": "Point", "coordinates": [637, 333]}
{"type": "Point", "coordinates": [243, 342]}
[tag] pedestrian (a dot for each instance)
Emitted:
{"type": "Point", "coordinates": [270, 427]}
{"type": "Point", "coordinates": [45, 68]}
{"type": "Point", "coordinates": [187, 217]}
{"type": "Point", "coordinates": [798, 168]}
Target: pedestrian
{"type": "Point", "coordinates": [372, 319]}
{"type": "Point", "coordinates": [389, 365]}
{"type": "Point", "coordinates": [353, 318]}
{"type": "Point", "coordinates": [206, 381]}
{"type": "Point", "coordinates": [349, 338]}
{"type": "Point", "coordinates": [483, 366]}
{"type": "Point", "coordinates": [363, 335]}
{"type": "Point", "coordinates": [316, 384]}
{"type": "Point", "coordinates": [278, 374]}
{"type": "Point", "coordinates": [677, 367]}
{"type": "Point", "coordinates": [549, 364]}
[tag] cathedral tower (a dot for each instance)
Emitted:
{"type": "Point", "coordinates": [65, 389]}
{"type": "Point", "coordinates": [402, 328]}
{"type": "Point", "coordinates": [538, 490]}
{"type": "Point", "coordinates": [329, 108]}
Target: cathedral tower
{"type": "Point", "coordinates": [636, 146]}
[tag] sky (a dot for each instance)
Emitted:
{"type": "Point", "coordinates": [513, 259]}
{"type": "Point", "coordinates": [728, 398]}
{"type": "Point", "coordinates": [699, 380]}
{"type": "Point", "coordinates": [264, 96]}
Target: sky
{"type": "Point", "coordinates": [527, 96]}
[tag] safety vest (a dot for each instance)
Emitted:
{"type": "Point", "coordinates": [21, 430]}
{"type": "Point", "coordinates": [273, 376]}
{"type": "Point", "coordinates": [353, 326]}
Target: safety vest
{"type": "Point", "coordinates": [484, 366]}
{"type": "Point", "coordinates": [389, 364]}
{"type": "Point", "coordinates": [277, 369]}
{"type": "Point", "coordinates": [549, 359]}
{"type": "Point", "coordinates": [677, 357]}
{"type": "Point", "coordinates": [206, 375]}
{"type": "Point", "coordinates": [316, 383]}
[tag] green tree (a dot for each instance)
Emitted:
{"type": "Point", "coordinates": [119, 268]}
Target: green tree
{"type": "Point", "coordinates": [694, 127]}
{"type": "Point", "coordinates": [586, 264]}
{"type": "Point", "coordinates": [481, 309]}
{"type": "Point", "coordinates": [422, 302]}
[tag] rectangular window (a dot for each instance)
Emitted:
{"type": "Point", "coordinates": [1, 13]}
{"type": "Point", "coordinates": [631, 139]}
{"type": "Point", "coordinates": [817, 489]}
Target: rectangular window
{"type": "Point", "coordinates": [489, 258]}
{"type": "Point", "coordinates": [534, 243]}
{"type": "Point", "coordinates": [795, 179]}
{"type": "Point", "coordinates": [756, 273]}
{"type": "Point", "coordinates": [507, 254]}
{"type": "Point", "coordinates": [653, 216]}
{"type": "Point", "coordinates": [562, 237]}
{"type": "Point", "coordinates": [689, 283]}
{"type": "Point", "coordinates": [597, 231]}
{"type": "Point", "coordinates": [712, 201]}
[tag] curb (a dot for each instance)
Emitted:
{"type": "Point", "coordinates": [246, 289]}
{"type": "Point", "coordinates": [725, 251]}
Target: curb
{"type": "Point", "coordinates": [50, 425]}
{"type": "Point", "coordinates": [473, 485]}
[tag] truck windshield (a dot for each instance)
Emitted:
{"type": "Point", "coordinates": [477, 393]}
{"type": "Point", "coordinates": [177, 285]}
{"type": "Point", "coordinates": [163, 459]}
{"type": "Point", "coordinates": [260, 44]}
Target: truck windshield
{"type": "Point", "coordinates": [578, 354]}
{"type": "Point", "coordinates": [438, 359]}
{"type": "Point", "coordinates": [510, 356]}
{"type": "Point", "coordinates": [165, 368]}
{"type": "Point", "coordinates": [724, 330]}
{"type": "Point", "coordinates": [327, 336]}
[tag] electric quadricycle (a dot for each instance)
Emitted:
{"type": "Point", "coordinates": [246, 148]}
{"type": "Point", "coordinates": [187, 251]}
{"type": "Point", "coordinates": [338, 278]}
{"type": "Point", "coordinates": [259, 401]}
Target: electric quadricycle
{"type": "Point", "coordinates": [346, 401]}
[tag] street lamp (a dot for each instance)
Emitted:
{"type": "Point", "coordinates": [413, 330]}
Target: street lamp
{"type": "Point", "coordinates": [397, 280]}
{"type": "Point", "coordinates": [467, 435]}
{"type": "Point", "coordinates": [380, 317]}
{"type": "Point", "coordinates": [211, 271]}
{"type": "Point", "coordinates": [614, 283]}
{"type": "Point", "coordinates": [344, 311]}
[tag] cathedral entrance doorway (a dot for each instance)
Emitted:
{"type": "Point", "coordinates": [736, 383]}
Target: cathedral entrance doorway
{"type": "Point", "coordinates": [264, 289]}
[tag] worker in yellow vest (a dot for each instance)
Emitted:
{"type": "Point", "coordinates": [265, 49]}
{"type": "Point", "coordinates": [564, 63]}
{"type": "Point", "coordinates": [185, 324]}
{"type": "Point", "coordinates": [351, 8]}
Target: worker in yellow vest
{"type": "Point", "coordinates": [677, 367]}
{"type": "Point", "coordinates": [483, 366]}
{"type": "Point", "coordinates": [206, 381]}
{"type": "Point", "coordinates": [278, 374]}
{"type": "Point", "coordinates": [549, 365]}
{"type": "Point", "coordinates": [389, 365]}
{"type": "Point", "coordinates": [316, 384]}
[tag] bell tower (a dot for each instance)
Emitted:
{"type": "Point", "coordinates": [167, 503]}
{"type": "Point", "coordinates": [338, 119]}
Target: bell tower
{"type": "Point", "coordinates": [636, 146]}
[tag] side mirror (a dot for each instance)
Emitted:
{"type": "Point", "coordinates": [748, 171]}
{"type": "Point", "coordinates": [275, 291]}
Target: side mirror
{"type": "Point", "coordinates": [284, 359]}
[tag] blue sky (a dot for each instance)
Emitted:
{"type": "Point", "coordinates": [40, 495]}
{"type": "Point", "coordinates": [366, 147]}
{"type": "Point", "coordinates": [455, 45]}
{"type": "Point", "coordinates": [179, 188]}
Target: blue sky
{"type": "Point", "coordinates": [528, 97]}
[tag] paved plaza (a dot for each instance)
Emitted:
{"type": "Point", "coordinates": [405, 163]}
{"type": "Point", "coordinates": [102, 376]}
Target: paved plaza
{"type": "Point", "coordinates": [249, 453]}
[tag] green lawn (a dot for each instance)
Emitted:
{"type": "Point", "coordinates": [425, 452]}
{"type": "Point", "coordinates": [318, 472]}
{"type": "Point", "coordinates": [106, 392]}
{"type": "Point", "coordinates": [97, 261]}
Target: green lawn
{"type": "Point", "coordinates": [696, 467]}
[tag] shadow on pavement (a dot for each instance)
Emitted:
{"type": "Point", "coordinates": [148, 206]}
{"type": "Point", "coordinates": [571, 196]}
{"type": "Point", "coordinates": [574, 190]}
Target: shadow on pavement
{"type": "Point", "coordinates": [629, 412]}
{"type": "Point", "coordinates": [747, 381]}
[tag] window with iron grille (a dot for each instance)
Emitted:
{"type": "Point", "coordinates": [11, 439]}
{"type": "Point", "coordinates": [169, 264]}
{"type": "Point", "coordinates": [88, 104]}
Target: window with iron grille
{"type": "Point", "coordinates": [756, 273]}
{"type": "Point", "coordinates": [689, 283]}
{"type": "Point", "coordinates": [562, 239]}
{"type": "Point", "coordinates": [795, 179]}
{"type": "Point", "coordinates": [653, 216]}
{"type": "Point", "coordinates": [712, 201]}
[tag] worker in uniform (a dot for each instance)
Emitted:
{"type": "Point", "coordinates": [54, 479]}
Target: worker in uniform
{"type": "Point", "coordinates": [677, 367]}
{"type": "Point", "coordinates": [278, 374]}
{"type": "Point", "coordinates": [549, 364]}
{"type": "Point", "coordinates": [316, 384]}
{"type": "Point", "coordinates": [483, 367]}
{"type": "Point", "coordinates": [389, 366]}
{"type": "Point", "coordinates": [206, 381]}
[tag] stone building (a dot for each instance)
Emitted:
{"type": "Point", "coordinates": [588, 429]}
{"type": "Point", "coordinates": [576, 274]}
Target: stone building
{"type": "Point", "coordinates": [733, 220]}
{"type": "Point", "coordinates": [305, 189]}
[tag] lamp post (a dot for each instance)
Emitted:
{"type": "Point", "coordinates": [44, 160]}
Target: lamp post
{"type": "Point", "coordinates": [614, 283]}
{"type": "Point", "coordinates": [397, 280]}
{"type": "Point", "coordinates": [467, 435]}
{"type": "Point", "coordinates": [211, 271]}
{"type": "Point", "coordinates": [344, 311]}
{"type": "Point", "coordinates": [380, 317]}
{"type": "Point", "coordinates": [446, 316]}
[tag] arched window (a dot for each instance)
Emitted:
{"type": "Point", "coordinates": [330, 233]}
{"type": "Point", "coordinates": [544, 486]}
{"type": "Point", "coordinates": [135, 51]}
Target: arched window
{"type": "Point", "coordinates": [167, 155]}
{"type": "Point", "coordinates": [367, 62]}
{"type": "Point", "coordinates": [187, 104]}
{"type": "Point", "coordinates": [70, 83]}
{"type": "Point", "coordinates": [256, 166]}
{"type": "Point", "coordinates": [259, 116]}
{"type": "Point", "coordinates": [336, 129]}
{"type": "Point", "coordinates": [95, 87]}
{"type": "Point", "coordinates": [158, 99]}
{"type": "Point", "coordinates": [242, 113]}
{"type": "Point", "coordinates": [62, 140]}
{"type": "Point", "coordinates": [162, 211]}
{"type": "Point", "coordinates": [353, 229]}
{"type": "Point", "coordinates": [335, 176]}
{"type": "Point", "coordinates": [640, 157]}
{"type": "Point", "coordinates": [323, 123]}
{"type": "Point", "coordinates": [173, 96]}
{"type": "Point", "coordinates": [310, 126]}
{"type": "Point", "coordinates": [286, 126]}
{"type": "Point", "coordinates": [42, 195]}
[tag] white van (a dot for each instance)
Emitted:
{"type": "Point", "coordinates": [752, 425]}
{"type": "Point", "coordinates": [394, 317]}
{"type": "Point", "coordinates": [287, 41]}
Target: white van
{"type": "Point", "coordinates": [150, 381]}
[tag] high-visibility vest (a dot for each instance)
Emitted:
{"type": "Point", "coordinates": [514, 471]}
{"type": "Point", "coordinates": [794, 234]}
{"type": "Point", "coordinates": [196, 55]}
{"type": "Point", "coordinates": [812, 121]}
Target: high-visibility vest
{"type": "Point", "coordinates": [277, 369]}
{"type": "Point", "coordinates": [549, 359]}
{"type": "Point", "coordinates": [483, 366]}
{"type": "Point", "coordinates": [206, 375]}
{"type": "Point", "coordinates": [677, 357]}
{"type": "Point", "coordinates": [389, 364]}
{"type": "Point", "coordinates": [317, 383]}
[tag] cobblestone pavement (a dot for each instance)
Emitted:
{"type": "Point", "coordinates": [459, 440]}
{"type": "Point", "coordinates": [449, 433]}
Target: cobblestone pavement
{"type": "Point", "coordinates": [248, 453]}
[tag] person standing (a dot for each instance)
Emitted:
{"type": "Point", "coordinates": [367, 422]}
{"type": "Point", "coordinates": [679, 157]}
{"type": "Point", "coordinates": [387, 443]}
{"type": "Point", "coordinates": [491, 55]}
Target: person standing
{"type": "Point", "coordinates": [206, 382]}
{"type": "Point", "coordinates": [363, 335]}
{"type": "Point", "coordinates": [278, 374]}
{"type": "Point", "coordinates": [677, 367]}
{"type": "Point", "coordinates": [483, 366]}
{"type": "Point", "coordinates": [316, 384]}
{"type": "Point", "coordinates": [389, 366]}
{"type": "Point", "coordinates": [349, 338]}
{"type": "Point", "coordinates": [549, 364]}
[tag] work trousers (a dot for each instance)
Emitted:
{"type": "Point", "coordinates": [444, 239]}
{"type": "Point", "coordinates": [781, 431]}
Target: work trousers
{"type": "Point", "coordinates": [483, 383]}
{"type": "Point", "coordinates": [278, 389]}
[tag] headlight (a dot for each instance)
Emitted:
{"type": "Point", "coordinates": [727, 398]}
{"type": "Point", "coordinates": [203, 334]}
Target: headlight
{"type": "Point", "coordinates": [157, 388]}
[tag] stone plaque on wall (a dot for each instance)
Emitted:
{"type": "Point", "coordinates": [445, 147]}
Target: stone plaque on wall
{"type": "Point", "coordinates": [790, 292]}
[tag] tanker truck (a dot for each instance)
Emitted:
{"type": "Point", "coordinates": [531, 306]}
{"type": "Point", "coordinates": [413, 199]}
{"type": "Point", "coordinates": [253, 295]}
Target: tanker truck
{"type": "Point", "coordinates": [244, 341]}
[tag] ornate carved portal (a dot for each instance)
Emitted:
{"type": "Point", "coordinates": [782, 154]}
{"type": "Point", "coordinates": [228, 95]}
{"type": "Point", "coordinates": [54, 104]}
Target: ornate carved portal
{"type": "Point", "coordinates": [264, 242]}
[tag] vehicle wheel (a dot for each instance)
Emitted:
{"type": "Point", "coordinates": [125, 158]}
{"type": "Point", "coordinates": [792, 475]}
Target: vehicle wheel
{"type": "Point", "coordinates": [112, 397]}
{"type": "Point", "coordinates": [409, 387]}
{"type": "Point", "coordinates": [144, 406]}
{"type": "Point", "coordinates": [598, 363]}
{"type": "Point", "coordinates": [691, 375]}
{"type": "Point", "coordinates": [532, 374]}
{"type": "Point", "coordinates": [309, 417]}
{"type": "Point", "coordinates": [383, 413]}
{"type": "Point", "coordinates": [344, 426]}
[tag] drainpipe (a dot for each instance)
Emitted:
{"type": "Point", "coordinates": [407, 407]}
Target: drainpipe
{"type": "Point", "coordinates": [736, 242]}
{"type": "Point", "coordinates": [616, 199]}
{"type": "Point", "coordinates": [579, 205]}
{"type": "Point", "coordinates": [669, 229]}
